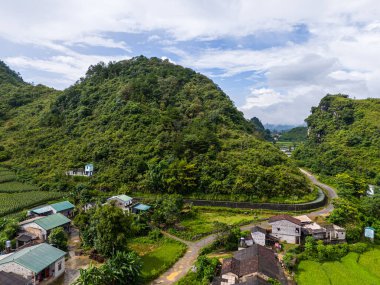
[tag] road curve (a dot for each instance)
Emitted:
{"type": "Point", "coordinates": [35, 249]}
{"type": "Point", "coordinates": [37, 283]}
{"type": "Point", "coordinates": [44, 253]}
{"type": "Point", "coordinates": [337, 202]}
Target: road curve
{"type": "Point", "coordinates": [331, 193]}
{"type": "Point", "coordinates": [183, 265]}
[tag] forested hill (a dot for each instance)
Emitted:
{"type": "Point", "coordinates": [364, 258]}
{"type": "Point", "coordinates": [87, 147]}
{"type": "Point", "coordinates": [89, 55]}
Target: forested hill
{"type": "Point", "coordinates": [147, 125]}
{"type": "Point", "coordinates": [344, 137]}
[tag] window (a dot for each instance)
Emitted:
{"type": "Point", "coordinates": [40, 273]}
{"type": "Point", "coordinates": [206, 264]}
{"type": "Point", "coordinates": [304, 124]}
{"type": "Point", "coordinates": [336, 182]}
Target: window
{"type": "Point", "coordinates": [278, 229]}
{"type": "Point", "coordinates": [60, 266]}
{"type": "Point", "coordinates": [297, 230]}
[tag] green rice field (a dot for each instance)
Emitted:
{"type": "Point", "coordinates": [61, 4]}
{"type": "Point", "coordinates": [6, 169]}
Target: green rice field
{"type": "Point", "coordinates": [353, 269]}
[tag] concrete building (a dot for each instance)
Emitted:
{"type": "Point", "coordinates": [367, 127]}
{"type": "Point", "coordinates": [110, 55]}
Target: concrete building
{"type": "Point", "coordinates": [35, 263]}
{"type": "Point", "coordinates": [64, 207]}
{"type": "Point", "coordinates": [259, 235]}
{"type": "Point", "coordinates": [41, 226]}
{"type": "Point", "coordinates": [286, 228]}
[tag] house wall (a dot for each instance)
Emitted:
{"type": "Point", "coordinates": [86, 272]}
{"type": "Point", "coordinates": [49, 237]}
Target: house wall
{"type": "Point", "coordinates": [339, 235]}
{"type": "Point", "coordinates": [56, 271]}
{"type": "Point", "coordinates": [18, 269]}
{"type": "Point", "coordinates": [286, 231]}
{"type": "Point", "coordinates": [258, 238]}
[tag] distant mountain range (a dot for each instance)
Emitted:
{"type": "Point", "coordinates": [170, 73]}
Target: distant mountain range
{"type": "Point", "coordinates": [280, 128]}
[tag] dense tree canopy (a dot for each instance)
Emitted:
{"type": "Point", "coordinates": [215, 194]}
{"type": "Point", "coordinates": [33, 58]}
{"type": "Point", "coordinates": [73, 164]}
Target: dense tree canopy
{"type": "Point", "coordinates": [147, 125]}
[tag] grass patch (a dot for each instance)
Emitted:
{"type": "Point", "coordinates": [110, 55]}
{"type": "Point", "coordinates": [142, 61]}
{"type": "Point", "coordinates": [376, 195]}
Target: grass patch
{"type": "Point", "coordinates": [202, 221]}
{"type": "Point", "coordinates": [157, 256]}
{"type": "Point", "coordinates": [352, 269]}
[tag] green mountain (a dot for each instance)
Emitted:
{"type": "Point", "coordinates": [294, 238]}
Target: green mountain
{"type": "Point", "coordinates": [297, 134]}
{"type": "Point", "coordinates": [147, 125]}
{"type": "Point", "coordinates": [344, 137]}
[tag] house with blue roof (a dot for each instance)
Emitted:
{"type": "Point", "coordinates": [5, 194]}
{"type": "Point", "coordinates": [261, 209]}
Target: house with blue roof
{"type": "Point", "coordinates": [127, 203]}
{"type": "Point", "coordinates": [38, 263]}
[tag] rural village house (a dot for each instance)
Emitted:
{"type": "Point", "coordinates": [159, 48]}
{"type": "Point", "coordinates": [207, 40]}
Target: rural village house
{"type": "Point", "coordinates": [87, 171]}
{"type": "Point", "coordinates": [65, 208]}
{"type": "Point", "coordinates": [253, 265]}
{"type": "Point", "coordinates": [41, 226]}
{"type": "Point", "coordinates": [127, 203]}
{"type": "Point", "coordinates": [286, 228]}
{"type": "Point", "coordinates": [35, 264]}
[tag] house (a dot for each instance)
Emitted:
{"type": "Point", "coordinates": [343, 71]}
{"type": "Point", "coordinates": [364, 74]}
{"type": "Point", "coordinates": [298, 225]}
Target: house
{"type": "Point", "coordinates": [87, 171]}
{"type": "Point", "coordinates": [326, 232]}
{"type": "Point", "coordinates": [122, 201]}
{"type": "Point", "coordinates": [41, 226]}
{"type": "Point", "coordinates": [286, 228]}
{"type": "Point", "coordinates": [65, 208]}
{"type": "Point", "coordinates": [140, 208]}
{"type": "Point", "coordinates": [35, 264]}
{"type": "Point", "coordinates": [10, 278]}
{"type": "Point", "coordinates": [304, 219]}
{"type": "Point", "coordinates": [25, 239]}
{"type": "Point", "coordinates": [259, 235]}
{"type": "Point", "coordinates": [253, 264]}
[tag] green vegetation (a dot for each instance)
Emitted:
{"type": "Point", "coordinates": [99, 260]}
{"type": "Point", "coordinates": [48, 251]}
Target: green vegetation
{"type": "Point", "coordinates": [352, 269]}
{"type": "Point", "coordinates": [147, 125]}
{"type": "Point", "coordinates": [200, 221]}
{"type": "Point", "coordinates": [344, 137]}
{"type": "Point", "coordinates": [157, 254]}
{"type": "Point", "coordinates": [15, 186]}
{"type": "Point", "coordinates": [123, 268]}
{"type": "Point", "coordinates": [59, 238]}
{"type": "Point", "coordinates": [206, 270]}
{"type": "Point", "coordinates": [15, 202]}
{"type": "Point", "coordinates": [297, 134]}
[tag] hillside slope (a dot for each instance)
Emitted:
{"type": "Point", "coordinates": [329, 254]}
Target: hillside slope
{"type": "Point", "coordinates": [344, 137]}
{"type": "Point", "coordinates": [147, 125]}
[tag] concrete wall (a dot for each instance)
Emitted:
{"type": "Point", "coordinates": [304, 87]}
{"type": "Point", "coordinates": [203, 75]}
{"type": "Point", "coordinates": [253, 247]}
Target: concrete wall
{"type": "Point", "coordinates": [258, 238]}
{"type": "Point", "coordinates": [18, 269]}
{"type": "Point", "coordinates": [35, 229]}
{"type": "Point", "coordinates": [56, 265]}
{"type": "Point", "coordinates": [286, 231]}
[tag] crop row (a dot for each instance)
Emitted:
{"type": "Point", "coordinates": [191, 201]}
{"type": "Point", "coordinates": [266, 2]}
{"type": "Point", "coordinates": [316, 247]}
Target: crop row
{"type": "Point", "coordinates": [16, 202]}
{"type": "Point", "coordinates": [14, 187]}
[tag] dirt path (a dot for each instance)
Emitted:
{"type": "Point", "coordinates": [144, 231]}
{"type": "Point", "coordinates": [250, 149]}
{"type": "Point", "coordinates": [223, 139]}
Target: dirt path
{"type": "Point", "coordinates": [184, 264]}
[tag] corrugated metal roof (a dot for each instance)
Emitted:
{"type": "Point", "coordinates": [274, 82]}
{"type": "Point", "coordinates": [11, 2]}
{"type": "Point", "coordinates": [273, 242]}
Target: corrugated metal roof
{"type": "Point", "coordinates": [52, 221]}
{"type": "Point", "coordinates": [10, 278]}
{"type": "Point", "coordinates": [122, 197]}
{"type": "Point", "coordinates": [141, 207]}
{"type": "Point", "coordinates": [62, 206]}
{"type": "Point", "coordinates": [35, 258]}
{"type": "Point", "coordinates": [42, 210]}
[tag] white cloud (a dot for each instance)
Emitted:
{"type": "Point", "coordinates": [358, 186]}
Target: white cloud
{"type": "Point", "coordinates": [341, 54]}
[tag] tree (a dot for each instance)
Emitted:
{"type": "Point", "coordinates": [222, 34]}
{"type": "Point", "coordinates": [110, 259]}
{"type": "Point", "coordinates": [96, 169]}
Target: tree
{"type": "Point", "coordinates": [112, 228]}
{"type": "Point", "coordinates": [59, 238]}
{"type": "Point", "coordinates": [123, 268]}
{"type": "Point", "coordinates": [167, 210]}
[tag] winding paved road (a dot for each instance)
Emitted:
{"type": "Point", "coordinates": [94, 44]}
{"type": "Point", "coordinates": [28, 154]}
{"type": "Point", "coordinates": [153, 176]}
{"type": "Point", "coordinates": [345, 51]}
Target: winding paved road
{"type": "Point", "coordinates": [184, 264]}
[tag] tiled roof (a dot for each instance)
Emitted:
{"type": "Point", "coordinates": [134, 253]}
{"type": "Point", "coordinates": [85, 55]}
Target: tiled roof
{"type": "Point", "coordinates": [254, 259]}
{"type": "Point", "coordinates": [284, 217]}
{"type": "Point", "coordinates": [35, 258]}
{"type": "Point", "coordinates": [62, 206]}
{"type": "Point", "coordinates": [258, 229]}
{"type": "Point", "coordinates": [52, 221]}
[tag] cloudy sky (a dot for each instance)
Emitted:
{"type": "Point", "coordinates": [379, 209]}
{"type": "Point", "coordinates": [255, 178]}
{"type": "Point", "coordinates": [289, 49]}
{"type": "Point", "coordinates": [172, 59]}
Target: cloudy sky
{"type": "Point", "coordinates": [275, 59]}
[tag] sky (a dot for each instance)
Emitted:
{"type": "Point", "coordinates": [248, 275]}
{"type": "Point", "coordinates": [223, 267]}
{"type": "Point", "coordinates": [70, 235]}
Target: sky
{"type": "Point", "coordinates": [275, 59]}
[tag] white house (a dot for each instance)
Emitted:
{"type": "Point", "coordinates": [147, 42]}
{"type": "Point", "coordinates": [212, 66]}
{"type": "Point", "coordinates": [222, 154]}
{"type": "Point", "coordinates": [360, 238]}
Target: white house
{"type": "Point", "coordinates": [286, 228]}
{"type": "Point", "coordinates": [35, 263]}
{"type": "Point", "coordinates": [87, 171]}
{"type": "Point", "coordinates": [259, 235]}
{"type": "Point", "coordinates": [122, 201]}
